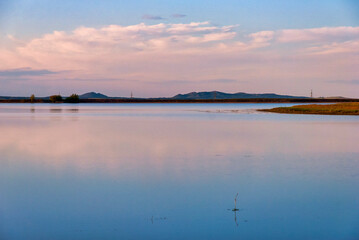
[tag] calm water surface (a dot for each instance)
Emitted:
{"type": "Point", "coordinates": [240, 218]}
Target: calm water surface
{"type": "Point", "coordinates": [171, 171]}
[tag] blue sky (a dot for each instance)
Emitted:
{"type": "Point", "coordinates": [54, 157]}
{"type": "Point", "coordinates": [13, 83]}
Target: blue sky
{"type": "Point", "coordinates": [27, 18]}
{"type": "Point", "coordinates": [161, 48]}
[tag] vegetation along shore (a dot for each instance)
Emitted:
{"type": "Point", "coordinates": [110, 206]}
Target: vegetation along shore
{"type": "Point", "coordinates": [351, 108]}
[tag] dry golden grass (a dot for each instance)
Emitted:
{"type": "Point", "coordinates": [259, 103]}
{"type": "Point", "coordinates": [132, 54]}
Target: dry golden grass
{"type": "Point", "coordinates": [327, 109]}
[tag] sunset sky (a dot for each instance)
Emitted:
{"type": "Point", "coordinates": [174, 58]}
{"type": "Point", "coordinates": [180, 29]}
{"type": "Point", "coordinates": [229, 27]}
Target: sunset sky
{"type": "Point", "coordinates": [161, 48]}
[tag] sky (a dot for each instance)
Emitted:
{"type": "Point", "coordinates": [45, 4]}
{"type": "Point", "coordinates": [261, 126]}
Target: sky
{"type": "Point", "coordinates": [161, 48]}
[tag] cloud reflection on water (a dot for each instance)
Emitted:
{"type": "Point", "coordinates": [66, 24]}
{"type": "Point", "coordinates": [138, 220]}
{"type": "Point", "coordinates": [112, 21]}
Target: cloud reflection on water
{"type": "Point", "coordinates": [117, 145]}
{"type": "Point", "coordinates": [104, 171]}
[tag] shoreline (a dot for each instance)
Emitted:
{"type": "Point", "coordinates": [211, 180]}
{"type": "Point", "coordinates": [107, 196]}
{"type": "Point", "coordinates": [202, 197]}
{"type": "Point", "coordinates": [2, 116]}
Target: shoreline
{"type": "Point", "coordinates": [242, 100]}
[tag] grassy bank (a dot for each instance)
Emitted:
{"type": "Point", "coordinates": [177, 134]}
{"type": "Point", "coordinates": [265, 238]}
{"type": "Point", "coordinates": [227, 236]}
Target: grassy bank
{"type": "Point", "coordinates": [330, 109]}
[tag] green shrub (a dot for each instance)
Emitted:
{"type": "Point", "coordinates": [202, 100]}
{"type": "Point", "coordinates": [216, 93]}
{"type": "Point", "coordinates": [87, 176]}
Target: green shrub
{"type": "Point", "coordinates": [55, 98]}
{"type": "Point", "coordinates": [74, 98]}
{"type": "Point", "coordinates": [32, 98]}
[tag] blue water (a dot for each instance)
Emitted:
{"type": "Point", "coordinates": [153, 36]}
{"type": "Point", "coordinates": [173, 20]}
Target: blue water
{"type": "Point", "coordinates": [171, 171]}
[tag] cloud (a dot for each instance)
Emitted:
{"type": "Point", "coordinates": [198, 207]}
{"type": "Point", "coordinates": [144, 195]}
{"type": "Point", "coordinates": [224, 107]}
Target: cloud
{"type": "Point", "coordinates": [326, 34]}
{"type": "Point", "coordinates": [350, 82]}
{"type": "Point", "coordinates": [222, 81]}
{"type": "Point", "coordinates": [178, 15]}
{"type": "Point", "coordinates": [212, 37]}
{"type": "Point", "coordinates": [21, 72]}
{"type": "Point", "coordinates": [193, 52]}
{"type": "Point", "coordinates": [85, 45]}
{"type": "Point", "coordinates": [263, 36]}
{"type": "Point", "coordinates": [261, 39]}
{"type": "Point", "coordinates": [105, 47]}
{"type": "Point", "coordinates": [152, 17]}
{"type": "Point", "coordinates": [335, 48]}
{"type": "Point", "coordinates": [202, 81]}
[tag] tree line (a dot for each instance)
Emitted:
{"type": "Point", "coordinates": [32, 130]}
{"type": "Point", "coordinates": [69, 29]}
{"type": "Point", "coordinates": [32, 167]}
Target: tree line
{"type": "Point", "coordinates": [74, 98]}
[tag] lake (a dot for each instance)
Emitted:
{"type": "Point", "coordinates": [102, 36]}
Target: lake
{"type": "Point", "coordinates": [172, 171]}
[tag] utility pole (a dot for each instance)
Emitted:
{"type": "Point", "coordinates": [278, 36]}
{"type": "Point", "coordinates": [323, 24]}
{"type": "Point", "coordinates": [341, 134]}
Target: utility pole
{"type": "Point", "coordinates": [311, 93]}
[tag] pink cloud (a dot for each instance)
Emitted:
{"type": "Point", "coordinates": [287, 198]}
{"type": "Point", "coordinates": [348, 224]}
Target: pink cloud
{"type": "Point", "coordinates": [317, 34]}
{"type": "Point", "coordinates": [193, 52]}
{"type": "Point", "coordinates": [336, 48]}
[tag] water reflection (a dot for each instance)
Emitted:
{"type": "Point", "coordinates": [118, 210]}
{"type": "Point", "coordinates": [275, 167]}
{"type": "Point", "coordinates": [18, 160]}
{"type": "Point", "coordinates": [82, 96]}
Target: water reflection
{"type": "Point", "coordinates": [73, 110]}
{"type": "Point", "coordinates": [115, 145]}
{"type": "Point", "coordinates": [55, 110]}
{"type": "Point", "coordinates": [235, 218]}
{"type": "Point", "coordinates": [105, 176]}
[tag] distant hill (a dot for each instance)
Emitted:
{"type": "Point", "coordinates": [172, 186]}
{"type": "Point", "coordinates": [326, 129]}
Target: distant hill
{"type": "Point", "coordinates": [11, 98]}
{"type": "Point", "coordinates": [222, 95]}
{"type": "Point", "coordinates": [92, 95]}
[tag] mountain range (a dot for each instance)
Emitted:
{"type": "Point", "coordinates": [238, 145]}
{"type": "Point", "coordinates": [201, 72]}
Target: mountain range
{"type": "Point", "coordinates": [202, 95]}
{"type": "Point", "coordinates": [222, 95]}
{"type": "Point", "coordinates": [187, 96]}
